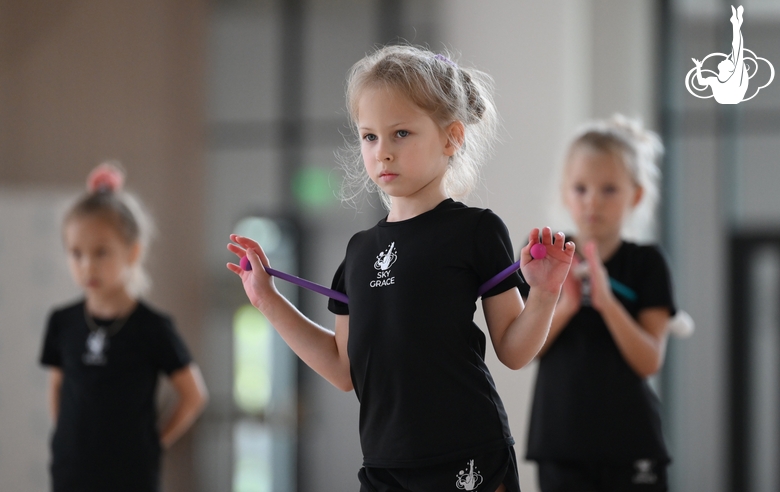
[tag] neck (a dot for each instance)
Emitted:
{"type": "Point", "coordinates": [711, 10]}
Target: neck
{"type": "Point", "coordinates": [606, 245]}
{"type": "Point", "coordinates": [407, 207]}
{"type": "Point", "coordinates": [110, 305]}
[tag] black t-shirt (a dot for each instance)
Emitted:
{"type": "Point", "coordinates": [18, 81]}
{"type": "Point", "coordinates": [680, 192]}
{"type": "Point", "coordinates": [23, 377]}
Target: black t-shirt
{"type": "Point", "coordinates": [589, 405]}
{"type": "Point", "coordinates": [416, 356]}
{"type": "Point", "coordinates": [106, 434]}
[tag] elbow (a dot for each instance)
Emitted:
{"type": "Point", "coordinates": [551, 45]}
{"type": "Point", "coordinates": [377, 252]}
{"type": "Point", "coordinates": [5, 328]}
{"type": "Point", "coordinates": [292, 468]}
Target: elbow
{"type": "Point", "coordinates": [650, 369]}
{"type": "Point", "coordinates": [513, 363]}
{"type": "Point", "coordinates": [344, 385]}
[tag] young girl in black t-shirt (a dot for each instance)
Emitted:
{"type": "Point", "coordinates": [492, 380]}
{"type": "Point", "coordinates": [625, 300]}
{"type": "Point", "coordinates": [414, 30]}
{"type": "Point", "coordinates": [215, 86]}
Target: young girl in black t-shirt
{"type": "Point", "coordinates": [595, 423]}
{"type": "Point", "coordinates": [105, 353]}
{"type": "Point", "coordinates": [430, 416]}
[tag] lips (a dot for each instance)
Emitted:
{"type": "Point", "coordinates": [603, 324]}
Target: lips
{"type": "Point", "coordinates": [387, 177]}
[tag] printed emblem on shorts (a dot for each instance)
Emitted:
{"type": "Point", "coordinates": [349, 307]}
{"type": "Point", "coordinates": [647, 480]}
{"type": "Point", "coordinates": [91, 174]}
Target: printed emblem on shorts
{"type": "Point", "coordinates": [468, 479]}
{"type": "Point", "coordinates": [644, 472]}
{"type": "Point", "coordinates": [384, 260]}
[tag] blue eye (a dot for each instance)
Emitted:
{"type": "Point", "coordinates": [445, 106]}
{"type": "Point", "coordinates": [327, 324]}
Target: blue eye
{"type": "Point", "coordinates": [402, 133]}
{"type": "Point", "coordinates": [369, 137]}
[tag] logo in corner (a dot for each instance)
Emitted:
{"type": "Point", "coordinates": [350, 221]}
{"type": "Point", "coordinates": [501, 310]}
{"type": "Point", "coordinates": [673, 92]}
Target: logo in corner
{"type": "Point", "coordinates": [735, 70]}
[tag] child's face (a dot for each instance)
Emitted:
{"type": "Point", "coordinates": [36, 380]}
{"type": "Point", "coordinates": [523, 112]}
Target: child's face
{"type": "Point", "coordinates": [98, 258]}
{"type": "Point", "coordinates": [405, 152]}
{"type": "Point", "coordinates": [598, 192]}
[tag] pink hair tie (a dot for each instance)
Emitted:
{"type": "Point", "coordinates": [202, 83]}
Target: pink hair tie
{"type": "Point", "coordinates": [107, 177]}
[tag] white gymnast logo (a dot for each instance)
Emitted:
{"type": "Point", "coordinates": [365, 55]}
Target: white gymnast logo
{"type": "Point", "coordinates": [644, 472]}
{"type": "Point", "coordinates": [735, 70]}
{"type": "Point", "coordinates": [97, 342]}
{"type": "Point", "coordinates": [468, 480]}
{"type": "Point", "coordinates": [385, 259]}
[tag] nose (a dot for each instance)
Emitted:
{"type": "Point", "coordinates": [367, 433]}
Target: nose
{"type": "Point", "coordinates": [383, 151]}
{"type": "Point", "coordinates": [87, 264]}
{"type": "Point", "coordinates": [591, 199]}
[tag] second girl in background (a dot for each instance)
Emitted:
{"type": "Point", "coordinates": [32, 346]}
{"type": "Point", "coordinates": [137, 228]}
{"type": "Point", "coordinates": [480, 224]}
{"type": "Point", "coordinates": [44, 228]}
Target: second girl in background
{"type": "Point", "coordinates": [106, 351]}
{"type": "Point", "coordinates": [595, 424]}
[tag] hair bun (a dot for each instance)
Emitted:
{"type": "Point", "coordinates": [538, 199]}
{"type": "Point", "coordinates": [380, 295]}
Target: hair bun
{"type": "Point", "coordinates": [108, 177]}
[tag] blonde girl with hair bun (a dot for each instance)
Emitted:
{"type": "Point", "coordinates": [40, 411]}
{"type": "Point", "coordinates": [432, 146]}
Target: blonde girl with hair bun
{"type": "Point", "coordinates": [595, 421]}
{"type": "Point", "coordinates": [106, 351]}
{"type": "Point", "coordinates": [430, 415]}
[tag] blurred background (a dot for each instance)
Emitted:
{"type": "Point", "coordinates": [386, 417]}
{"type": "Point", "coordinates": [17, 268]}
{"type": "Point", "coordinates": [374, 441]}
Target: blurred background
{"type": "Point", "coordinates": [227, 114]}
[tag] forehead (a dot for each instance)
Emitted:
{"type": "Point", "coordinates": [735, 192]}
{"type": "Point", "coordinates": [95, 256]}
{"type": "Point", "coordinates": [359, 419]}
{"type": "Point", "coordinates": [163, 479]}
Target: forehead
{"type": "Point", "coordinates": [90, 229]}
{"type": "Point", "coordinates": [386, 105]}
{"type": "Point", "coordinates": [585, 162]}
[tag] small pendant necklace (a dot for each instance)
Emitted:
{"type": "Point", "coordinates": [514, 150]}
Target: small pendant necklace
{"type": "Point", "coordinates": [111, 329]}
{"type": "Point", "coordinates": [97, 340]}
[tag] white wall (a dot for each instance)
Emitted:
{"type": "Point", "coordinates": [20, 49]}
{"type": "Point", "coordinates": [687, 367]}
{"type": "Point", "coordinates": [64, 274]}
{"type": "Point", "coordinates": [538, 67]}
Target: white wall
{"type": "Point", "coordinates": [35, 279]}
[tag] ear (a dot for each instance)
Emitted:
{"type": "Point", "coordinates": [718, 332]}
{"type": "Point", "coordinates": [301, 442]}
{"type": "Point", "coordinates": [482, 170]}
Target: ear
{"type": "Point", "coordinates": [456, 134]}
{"type": "Point", "coordinates": [639, 192]}
{"type": "Point", "coordinates": [135, 253]}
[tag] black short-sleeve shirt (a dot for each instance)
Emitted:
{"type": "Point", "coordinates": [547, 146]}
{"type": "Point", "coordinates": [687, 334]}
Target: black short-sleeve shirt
{"type": "Point", "coordinates": [416, 356]}
{"type": "Point", "coordinates": [589, 405]}
{"type": "Point", "coordinates": [106, 434]}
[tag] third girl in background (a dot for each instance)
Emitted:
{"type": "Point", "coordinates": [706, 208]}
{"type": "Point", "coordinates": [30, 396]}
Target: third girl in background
{"type": "Point", "coordinates": [595, 424]}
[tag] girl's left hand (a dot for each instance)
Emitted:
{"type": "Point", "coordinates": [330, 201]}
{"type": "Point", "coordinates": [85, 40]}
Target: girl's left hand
{"type": "Point", "coordinates": [600, 291]}
{"type": "Point", "coordinates": [548, 273]}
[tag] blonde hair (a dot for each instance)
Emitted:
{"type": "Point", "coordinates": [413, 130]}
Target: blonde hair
{"type": "Point", "coordinates": [105, 198]}
{"type": "Point", "coordinates": [441, 88]}
{"type": "Point", "coordinates": [639, 149]}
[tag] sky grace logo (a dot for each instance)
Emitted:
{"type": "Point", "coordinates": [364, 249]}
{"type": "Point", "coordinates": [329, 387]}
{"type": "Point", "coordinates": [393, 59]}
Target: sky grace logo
{"type": "Point", "coordinates": [384, 260]}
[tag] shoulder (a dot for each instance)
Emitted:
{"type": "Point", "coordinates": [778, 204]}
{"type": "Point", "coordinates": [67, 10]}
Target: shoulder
{"type": "Point", "coordinates": [479, 217]}
{"type": "Point", "coordinates": [488, 222]}
{"type": "Point", "coordinates": [645, 254]}
{"type": "Point", "coordinates": [65, 312]}
{"type": "Point", "coordinates": [151, 316]}
{"type": "Point", "coordinates": [360, 238]}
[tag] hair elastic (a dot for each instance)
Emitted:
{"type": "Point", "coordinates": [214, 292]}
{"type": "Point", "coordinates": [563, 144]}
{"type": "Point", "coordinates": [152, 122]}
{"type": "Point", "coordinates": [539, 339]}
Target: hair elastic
{"type": "Point", "coordinates": [443, 58]}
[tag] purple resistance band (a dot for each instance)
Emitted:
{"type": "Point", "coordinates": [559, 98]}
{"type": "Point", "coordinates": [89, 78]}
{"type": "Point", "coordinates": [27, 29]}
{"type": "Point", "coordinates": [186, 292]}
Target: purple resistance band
{"type": "Point", "coordinates": [339, 296]}
{"type": "Point", "coordinates": [306, 284]}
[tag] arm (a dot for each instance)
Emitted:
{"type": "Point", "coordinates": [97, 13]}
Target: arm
{"type": "Point", "coordinates": [193, 396]}
{"type": "Point", "coordinates": [321, 349]}
{"type": "Point", "coordinates": [564, 312]}
{"type": "Point", "coordinates": [701, 80]}
{"type": "Point", "coordinates": [55, 383]}
{"type": "Point", "coordinates": [518, 332]}
{"type": "Point", "coordinates": [736, 38]}
{"type": "Point", "coordinates": [642, 342]}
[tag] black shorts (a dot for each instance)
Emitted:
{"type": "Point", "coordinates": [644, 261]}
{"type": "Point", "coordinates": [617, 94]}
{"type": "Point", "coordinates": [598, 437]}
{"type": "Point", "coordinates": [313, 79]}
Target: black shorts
{"type": "Point", "coordinates": [642, 476]}
{"type": "Point", "coordinates": [482, 473]}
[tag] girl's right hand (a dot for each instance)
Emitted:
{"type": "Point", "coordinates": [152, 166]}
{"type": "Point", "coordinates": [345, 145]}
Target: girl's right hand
{"type": "Point", "coordinates": [258, 285]}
